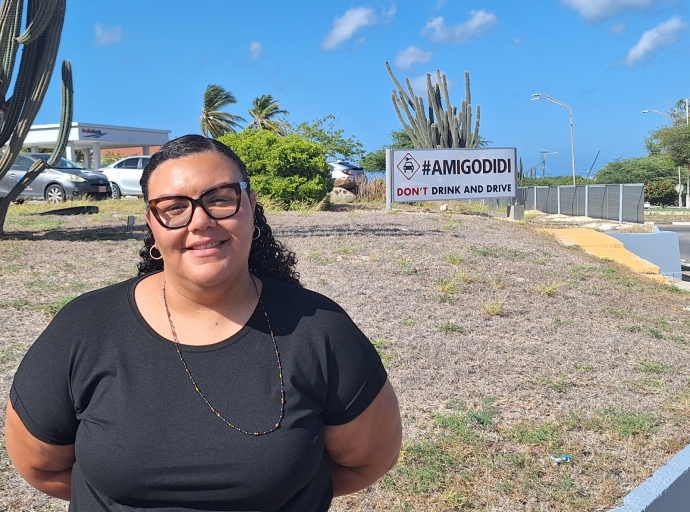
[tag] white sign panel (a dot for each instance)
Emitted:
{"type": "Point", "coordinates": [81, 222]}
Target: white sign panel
{"type": "Point", "coordinates": [447, 174]}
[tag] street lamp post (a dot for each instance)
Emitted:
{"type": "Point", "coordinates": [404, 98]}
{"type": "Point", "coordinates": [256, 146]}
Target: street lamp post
{"type": "Point", "coordinates": [572, 133]}
{"type": "Point", "coordinates": [657, 112]}
{"type": "Point", "coordinates": [687, 112]}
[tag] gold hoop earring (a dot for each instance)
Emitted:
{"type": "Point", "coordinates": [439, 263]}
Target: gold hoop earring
{"type": "Point", "coordinates": [159, 257]}
{"type": "Point", "coordinates": [257, 232]}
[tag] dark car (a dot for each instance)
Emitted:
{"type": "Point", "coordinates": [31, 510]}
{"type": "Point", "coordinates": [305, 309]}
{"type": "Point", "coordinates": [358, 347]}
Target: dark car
{"type": "Point", "coordinates": [66, 180]}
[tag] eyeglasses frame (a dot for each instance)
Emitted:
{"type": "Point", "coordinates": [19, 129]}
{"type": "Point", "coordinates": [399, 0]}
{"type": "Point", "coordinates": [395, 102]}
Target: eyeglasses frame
{"type": "Point", "coordinates": [238, 186]}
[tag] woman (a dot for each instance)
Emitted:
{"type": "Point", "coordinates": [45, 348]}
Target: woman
{"type": "Point", "coordinates": [212, 381]}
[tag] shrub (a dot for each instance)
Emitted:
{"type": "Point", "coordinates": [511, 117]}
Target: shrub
{"type": "Point", "coordinates": [661, 192]}
{"type": "Point", "coordinates": [638, 170]}
{"type": "Point", "coordinates": [286, 169]}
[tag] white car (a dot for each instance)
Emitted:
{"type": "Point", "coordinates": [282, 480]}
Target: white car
{"type": "Point", "coordinates": [124, 175]}
{"type": "Point", "coordinates": [343, 169]}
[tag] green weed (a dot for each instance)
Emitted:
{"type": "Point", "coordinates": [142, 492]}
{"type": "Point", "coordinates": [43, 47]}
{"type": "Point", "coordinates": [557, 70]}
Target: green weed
{"type": "Point", "coordinates": [387, 357]}
{"type": "Point", "coordinates": [584, 367]}
{"type": "Point", "coordinates": [449, 286]}
{"type": "Point", "coordinates": [655, 333]}
{"type": "Point", "coordinates": [618, 312]}
{"type": "Point", "coordinates": [560, 383]}
{"type": "Point", "coordinates": [549, 289]}
{"type": "Point", "coordinates": [461, 417]}
{"type": "Point", "coordinates": [446, 299]}
{"type": "Point", "coordinates": [452, 225]}
{"type": "Point", "coordinates": [453, 258]}
{"type": "Point", "coordinates": [452, 328]}
{"type": "Point", "coordinates": [548, 433]}
{"type": "Point", "coordinates": [648, 366]}
{"type": "Point", "coordinates": [494, 307]}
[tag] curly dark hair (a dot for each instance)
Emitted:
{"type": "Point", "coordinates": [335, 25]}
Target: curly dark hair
{"type": "Point", "coordinates": [267, 256]}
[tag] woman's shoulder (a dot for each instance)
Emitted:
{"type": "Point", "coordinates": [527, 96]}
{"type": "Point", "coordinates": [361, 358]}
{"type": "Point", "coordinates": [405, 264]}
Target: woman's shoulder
{"type": "Point", "coordinates": [297, 296]}
{"type": "Point", "coordinates": [109, 297]}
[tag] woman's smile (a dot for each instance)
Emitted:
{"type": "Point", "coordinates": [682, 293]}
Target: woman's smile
{"type": "Point", "coordinates": [207, 245]}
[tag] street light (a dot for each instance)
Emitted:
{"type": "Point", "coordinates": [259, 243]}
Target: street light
{"type": "Point", "coordinates": [572, 134]}
{"type": "Point", "coordinates": [656, 112]}
{"type": "Point", "coordinates": [687, 112]}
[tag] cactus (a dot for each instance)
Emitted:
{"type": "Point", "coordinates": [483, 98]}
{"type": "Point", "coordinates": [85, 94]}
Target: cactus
{"type": "Point", "coordinates": [40, 41]}
{"type": "Point", "coordinates": [438, 127]}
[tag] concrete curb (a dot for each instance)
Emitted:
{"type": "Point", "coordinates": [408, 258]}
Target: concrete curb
{"type": "Point", "coordinates": [603, 246]}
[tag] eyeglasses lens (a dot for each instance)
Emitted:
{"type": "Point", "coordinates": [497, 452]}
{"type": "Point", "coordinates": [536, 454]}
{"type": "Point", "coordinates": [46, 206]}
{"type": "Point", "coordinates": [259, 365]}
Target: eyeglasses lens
{"type": "Point", "coordinates": [218, 204]}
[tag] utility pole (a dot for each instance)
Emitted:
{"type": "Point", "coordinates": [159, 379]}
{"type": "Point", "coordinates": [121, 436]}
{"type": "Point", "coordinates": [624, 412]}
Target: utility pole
{"type": "Point", "coordinates": [679, 189]}
{"type": "Point", "coordinates": [543, 161]}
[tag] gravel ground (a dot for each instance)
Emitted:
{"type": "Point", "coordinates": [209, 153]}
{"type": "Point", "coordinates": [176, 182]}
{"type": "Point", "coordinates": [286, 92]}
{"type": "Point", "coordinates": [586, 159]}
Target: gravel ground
{"type": "Point", "coordinates": [463, 307]}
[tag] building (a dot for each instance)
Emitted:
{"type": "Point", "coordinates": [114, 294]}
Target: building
{"type": "Point", "coordinates": [93, 138]}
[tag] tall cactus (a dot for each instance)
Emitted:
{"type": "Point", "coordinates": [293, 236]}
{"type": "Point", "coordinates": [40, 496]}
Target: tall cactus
{"type": "Point", "coordinates": [40, 41]}
{"type": "Point", "coordinates": [437, 127]}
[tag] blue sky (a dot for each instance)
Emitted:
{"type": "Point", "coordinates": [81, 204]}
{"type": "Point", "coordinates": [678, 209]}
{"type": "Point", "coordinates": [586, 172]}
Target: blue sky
{"type": "Point", "coordinates": [147, 63]}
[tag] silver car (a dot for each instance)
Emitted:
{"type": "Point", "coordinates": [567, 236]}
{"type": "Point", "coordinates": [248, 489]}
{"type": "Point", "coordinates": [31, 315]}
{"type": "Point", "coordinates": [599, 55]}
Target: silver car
{"type": "Point", "coordinates": [66, 180]}
{"type": "Point", "coordinates": [343, 169]}
{"type": "Point", "coordinates": [124, 175]}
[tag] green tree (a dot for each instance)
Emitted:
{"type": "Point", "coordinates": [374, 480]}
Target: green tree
{"type": "Point", "coordinates": [287, 169]}
{"type": "Point", "coordinates": [661, 193]}
{"type": "Point", "coordinates": [648, 169]}
{"type": "Point", "coordinates": [323, 131]}
{"type": "Point", "coordinates": [672, 142]}
{"type": "Point", "coordinates": [376, 160]}
{"type": "Point", "coordinates": [264, 111]}
{"type": "Point", "coordinates": [214, 122]}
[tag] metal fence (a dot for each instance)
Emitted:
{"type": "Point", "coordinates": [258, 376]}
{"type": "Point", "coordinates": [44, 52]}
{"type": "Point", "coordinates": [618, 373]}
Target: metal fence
{"type": "Point", "coordinates": [622, 203]}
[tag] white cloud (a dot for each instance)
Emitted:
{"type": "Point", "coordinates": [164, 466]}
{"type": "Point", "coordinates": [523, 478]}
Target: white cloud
{"type": "Point", "coordinates": [517, 41]}
{"type": "Point", "coordinates": [617, 28]}
{"type": "Point", "coordinates": [411, 55]}
{"type": "Point", "coordinates": [664, 34]}
{"type": "Point", "coordinates": [419, 84]}
{"type": "Point", "coordinates": [389, 14]}
{"type": "Point", "coordinates": [479, 22]}
{"type": "Point", "coordinates": [345, 26]}
{"type": "Point", "coordinates": [595, 10]}
{"type": "Point", "coordinates": [106, 36]}
{"type": "Point", "coordinates": [255, 50]}
{"type": "Point", "coordinates": [440, 3]}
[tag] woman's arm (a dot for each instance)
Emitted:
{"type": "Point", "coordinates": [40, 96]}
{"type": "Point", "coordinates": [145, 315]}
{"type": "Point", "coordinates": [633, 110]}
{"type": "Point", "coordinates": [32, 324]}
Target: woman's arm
{"type": "Point", "coordinates": [47, 467]}
{"type": "Point", "coordinates": [364, 449]}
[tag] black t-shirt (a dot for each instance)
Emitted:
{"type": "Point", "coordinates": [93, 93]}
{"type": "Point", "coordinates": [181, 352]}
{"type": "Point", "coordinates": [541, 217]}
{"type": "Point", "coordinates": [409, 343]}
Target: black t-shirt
{"type": "Point", "coordinates": [101, 378]}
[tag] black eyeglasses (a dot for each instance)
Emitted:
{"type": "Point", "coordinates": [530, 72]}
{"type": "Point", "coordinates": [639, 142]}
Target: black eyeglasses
{"type": "Point", "coordinates": [220, 202]}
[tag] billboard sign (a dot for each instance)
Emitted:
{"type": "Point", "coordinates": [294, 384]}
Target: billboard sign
{"type": "Point", "coordinates": [450, 174]}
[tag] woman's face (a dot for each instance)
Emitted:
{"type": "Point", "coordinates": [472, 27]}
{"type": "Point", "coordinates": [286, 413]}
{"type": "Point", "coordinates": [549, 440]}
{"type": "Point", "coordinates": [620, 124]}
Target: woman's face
{"type": "Point", "coordinates": [207, 252]}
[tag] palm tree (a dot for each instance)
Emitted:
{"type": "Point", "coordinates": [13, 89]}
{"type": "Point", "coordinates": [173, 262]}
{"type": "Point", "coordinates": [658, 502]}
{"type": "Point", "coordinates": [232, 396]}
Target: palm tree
{"type": "Point", "coordinates": [214, 122]}
{"type": "Point", "coordinates": [264, 110]}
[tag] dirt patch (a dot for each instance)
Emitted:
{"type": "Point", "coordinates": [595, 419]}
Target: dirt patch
{"type": "Point", "coordinates": [480, 320]}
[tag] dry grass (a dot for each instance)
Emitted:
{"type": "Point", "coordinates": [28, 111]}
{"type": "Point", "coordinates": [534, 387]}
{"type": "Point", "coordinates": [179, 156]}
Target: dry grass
{"type": "Point", "coordinates": [597, 370]}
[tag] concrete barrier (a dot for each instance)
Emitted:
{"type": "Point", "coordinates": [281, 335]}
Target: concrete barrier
{"type": "Point", "coordinates": [658, 247]}
{"type": "Point", "coordinates": [668, 490]}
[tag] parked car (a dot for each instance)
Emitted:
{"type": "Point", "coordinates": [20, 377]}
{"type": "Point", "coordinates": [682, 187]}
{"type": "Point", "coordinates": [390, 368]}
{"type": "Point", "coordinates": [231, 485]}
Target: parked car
{"type": "Point", "coordinates": [124, 175]}
{"type": "Point", "coordinates": [66, 180]}
{"type": "Point", "coordinates": [343, 169]}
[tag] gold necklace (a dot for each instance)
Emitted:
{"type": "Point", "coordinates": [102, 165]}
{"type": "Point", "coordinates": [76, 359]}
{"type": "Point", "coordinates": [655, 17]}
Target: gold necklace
{"type": "Point", "coordinates": [196, 386]}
